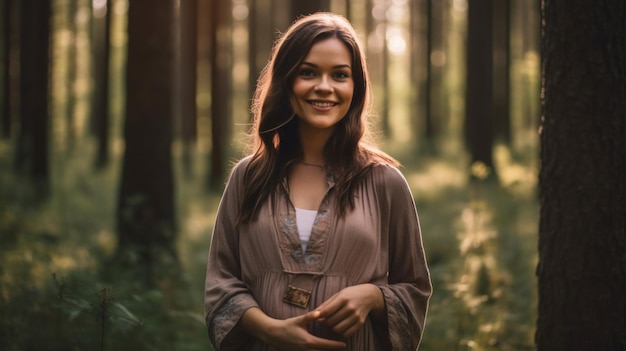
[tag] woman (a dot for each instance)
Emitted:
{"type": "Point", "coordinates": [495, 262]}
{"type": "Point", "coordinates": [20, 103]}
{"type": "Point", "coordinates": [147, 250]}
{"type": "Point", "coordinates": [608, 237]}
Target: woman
{"type": "Point", "coordinates": [316, 243]}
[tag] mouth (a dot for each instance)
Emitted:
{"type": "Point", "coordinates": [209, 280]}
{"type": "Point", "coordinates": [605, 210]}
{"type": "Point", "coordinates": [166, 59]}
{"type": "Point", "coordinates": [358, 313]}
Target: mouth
{"type": "Point", "coordinates": [321, 104]}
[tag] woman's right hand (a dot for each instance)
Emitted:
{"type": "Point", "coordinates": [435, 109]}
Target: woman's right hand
{"type": "Point", "coordinates": [289, 334]}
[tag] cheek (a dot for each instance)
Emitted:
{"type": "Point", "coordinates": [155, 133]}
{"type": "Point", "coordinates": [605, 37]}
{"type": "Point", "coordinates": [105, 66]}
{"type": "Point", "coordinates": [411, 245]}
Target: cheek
{"type": "Point", "coordinates": [350, 91]}
{"type": "Point", "coordinates": [348, 96]}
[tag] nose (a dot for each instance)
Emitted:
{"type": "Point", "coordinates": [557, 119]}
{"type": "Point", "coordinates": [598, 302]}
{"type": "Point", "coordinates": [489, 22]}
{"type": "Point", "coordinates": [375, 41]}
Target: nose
{"type": "Point", "coordinates": [324, 84]}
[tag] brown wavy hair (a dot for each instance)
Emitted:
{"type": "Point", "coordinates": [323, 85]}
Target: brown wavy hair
{"type": "Point", "coordinates": [349, 152]}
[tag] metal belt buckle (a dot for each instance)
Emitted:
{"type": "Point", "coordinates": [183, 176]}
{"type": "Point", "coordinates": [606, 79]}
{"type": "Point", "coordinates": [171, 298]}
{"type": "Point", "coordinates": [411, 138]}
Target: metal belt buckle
{"type": "Point", "coordinates": [297, 296]}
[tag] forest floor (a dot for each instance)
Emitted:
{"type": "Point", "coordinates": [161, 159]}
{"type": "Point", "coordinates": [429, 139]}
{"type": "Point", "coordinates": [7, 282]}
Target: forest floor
{"type": "Point", "coordinates": [59, 292]}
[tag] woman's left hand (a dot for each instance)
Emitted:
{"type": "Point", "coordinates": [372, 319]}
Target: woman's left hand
{"type": "Point", "coordinates": [346, 311]}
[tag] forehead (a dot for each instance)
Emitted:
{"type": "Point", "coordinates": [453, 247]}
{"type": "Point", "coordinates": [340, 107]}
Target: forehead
{"type": "Point", "coordinates": [331, 51]}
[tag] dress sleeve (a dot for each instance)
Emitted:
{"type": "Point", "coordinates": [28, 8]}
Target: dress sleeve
{"type": "Point", "coordinates": [226, 297]}
{"type": "Point", "coordinates": [409, 287]}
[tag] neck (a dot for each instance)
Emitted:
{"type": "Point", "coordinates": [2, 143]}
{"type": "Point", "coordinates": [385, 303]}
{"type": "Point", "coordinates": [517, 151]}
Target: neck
{"type": "Point", "coordinates": [320, 166]}
{"type": "Point", "coordinates": [313, 147]}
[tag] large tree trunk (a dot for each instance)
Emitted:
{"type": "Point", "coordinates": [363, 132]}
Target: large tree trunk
{"type": "Point", "coordinates": [582, 231]}
{"type": "Point", "coordinates": [479, 99]}
{"type": "Point", "coordinates": [146, 216]}
{"type": "Point", "coordinates": [32, 145]}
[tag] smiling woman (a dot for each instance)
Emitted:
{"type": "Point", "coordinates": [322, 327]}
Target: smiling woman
{"type": "Point", "coordinates": [317, 243]}
{"type": "Point", "coordinates": [322, 89]}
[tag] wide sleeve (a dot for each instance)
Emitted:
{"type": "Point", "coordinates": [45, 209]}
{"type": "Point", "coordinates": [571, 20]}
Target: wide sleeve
{"type": "Point", "coordinates": [409, 287]}
{"type": "Point", "coordinates": [226, 297]}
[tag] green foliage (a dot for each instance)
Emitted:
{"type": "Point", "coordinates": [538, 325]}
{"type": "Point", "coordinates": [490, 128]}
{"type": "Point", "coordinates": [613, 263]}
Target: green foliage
{"type": "Point", "coordinates": [81, 313]}
{"type": "Point", "coordinates": [61, 286]}
{"type": "Point", "coordinates": [480, 241]}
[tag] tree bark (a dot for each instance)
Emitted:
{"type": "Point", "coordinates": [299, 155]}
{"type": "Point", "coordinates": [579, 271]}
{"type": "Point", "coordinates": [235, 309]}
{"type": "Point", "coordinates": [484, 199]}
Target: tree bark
{"type": "Point", "coordinates": [188, 82]}
{"type": "Point", "coordinates": [145, 213]}
{"type": "Point", "coordinates": [32, 145]}
{"type": "Point", "coordinates": [434, 117]}
{"type": "Point", "coordinates": [582, 230]}
{"type": "Point", "coordinates": [501, 69]}
{"type": "Point", "coordinates": [303, 8]}
{"type": "Point", "coordinates": [5, 120]}
{"type": "Point", "coordinates": [71, 74]}
{"type": "Point", "coordinates": [261, 31]}
{"type": "Point", "coordinates": [221, 87]}
{"type": "Point", "coordinates": [100, 112]}
{"type": "Point", "coordinates": [479, 90]}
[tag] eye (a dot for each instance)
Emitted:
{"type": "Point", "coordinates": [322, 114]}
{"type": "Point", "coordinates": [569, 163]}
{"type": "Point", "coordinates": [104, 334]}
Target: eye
{"type": "Point", "coordinates": [306, 72]}
{"type": "Point", "coordinates": [341, 75]}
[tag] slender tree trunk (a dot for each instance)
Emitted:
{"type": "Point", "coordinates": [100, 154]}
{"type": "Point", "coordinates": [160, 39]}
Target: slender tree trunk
{"type": "Point", "coordinates": [435, 55]}
{"type": "Point", "coordinates": [32, 148]}
{"type": "Point", "coordinates": [187, 79]}
{"type": "Point", "coordinates": [501, 68]}
{"type": "Point", "coordinates": [582, 229]}
{"type": "Point", "coordinates": [5, 122]}
{"type": "Point", "coordinates": [72, 73]}
{"type": "Point", "coordinates": [221, 87]}
{"type": "Point", "coordinates": [101, 40]}
{"type": "Point", "coordinates": [479, 100]}
{"type": "Point", "coordinates": [13, 66]}
{"type": "Point", "coordinates": [300, 8]}
{"type": "Point", "coordinates": [146, 216]}
{"type": "Point", "coordinates": [253, 54]}
{"type": "Point", "coordinates": [261, 38]}
{"type": "Point", "coordinates": [384, 113]}
{"type": "Point", "coordinates": [428, 117]}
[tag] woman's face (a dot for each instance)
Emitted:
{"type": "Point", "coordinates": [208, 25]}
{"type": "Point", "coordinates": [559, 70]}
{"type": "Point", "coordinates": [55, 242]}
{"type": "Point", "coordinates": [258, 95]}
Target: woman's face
{"type": "Point", "coordinates": [323, 87]}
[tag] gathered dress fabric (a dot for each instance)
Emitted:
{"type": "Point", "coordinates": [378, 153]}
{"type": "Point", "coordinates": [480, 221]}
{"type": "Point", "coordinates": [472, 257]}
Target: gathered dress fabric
{"type": "Point", "coordinates": [377, 242]}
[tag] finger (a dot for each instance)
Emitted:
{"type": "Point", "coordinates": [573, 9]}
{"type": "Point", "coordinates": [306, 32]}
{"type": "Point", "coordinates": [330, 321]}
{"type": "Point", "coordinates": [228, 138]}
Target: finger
{"type": "Point", "coordinates": [344, 325]}
{"type": "Point", "coordinates": [351, 330]}
{"type": "Point", "coordinates": [339, 315]}
{"type": "Point", "coordinates": [310, 316]}
{"type": "Point", "coordinates": [329, 307]}
{"type": "Point", "coordinates": [326, 344]}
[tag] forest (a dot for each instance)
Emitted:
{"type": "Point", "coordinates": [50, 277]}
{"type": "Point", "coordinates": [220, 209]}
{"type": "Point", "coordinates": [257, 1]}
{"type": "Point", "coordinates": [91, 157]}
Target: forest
{"type": "Point", "coordinates": [120, 121]}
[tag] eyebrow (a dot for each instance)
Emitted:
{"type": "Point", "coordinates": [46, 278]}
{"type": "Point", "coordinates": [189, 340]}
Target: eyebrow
{"type": "Point", "coordinates": [316, 66]}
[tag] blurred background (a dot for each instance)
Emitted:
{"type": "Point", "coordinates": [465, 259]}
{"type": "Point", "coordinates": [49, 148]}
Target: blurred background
{"type": "Point", "coordinates": [120, 120]}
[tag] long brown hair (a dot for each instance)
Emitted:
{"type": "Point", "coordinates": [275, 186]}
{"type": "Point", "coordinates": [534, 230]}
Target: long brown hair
{"type": "Point", "coordinates": [349, 152]}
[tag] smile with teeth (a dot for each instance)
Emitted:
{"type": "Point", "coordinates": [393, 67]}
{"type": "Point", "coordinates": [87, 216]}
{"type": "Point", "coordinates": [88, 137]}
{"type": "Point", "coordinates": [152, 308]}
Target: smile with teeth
{"type": "Point", "coordinates": [323, 104]}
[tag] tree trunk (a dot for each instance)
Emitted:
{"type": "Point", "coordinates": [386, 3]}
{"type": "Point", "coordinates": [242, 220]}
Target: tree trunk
{"type": "Point", "coordinates": [5, 122]}
{"type": "Point", "coordinates": [582, 229]}
{"type": "Point", "coordinates": [221, 87]}
{"type": "Point", "coordinates": [435, 53]}
{"type": "Point", "coordinates": [501, 69]}
{"type": "Point", "coordinates": [300, 8]}
{"type": "Point", "coordinates": [385, 124]}
{"type": "Point", "coordinates": [146, 216]}
{"type": "Point", "coordinates": [261, 38]}
{"type": "Point", "coordinates": [479, 111]}
{"type": "Point", "coordinates": [188, 71]}
{"type": "Point", "coordinates": [71, 74]}
{"type": "Point", "coordinates": [100, 112]}
{"type": "Point", "coordinates": [32, 144]}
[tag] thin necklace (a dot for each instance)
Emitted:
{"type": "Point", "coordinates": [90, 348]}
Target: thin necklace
{"type": "Point", "coordinates": [311, 164]}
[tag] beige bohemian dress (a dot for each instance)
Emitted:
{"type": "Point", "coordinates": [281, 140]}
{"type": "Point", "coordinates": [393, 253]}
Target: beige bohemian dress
{"type": "Point", "coordinates": [378, 242]}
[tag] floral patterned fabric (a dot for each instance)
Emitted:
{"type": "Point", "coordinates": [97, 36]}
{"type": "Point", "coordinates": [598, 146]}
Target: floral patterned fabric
{"type": "Point", "coordinates": [378, 242]}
